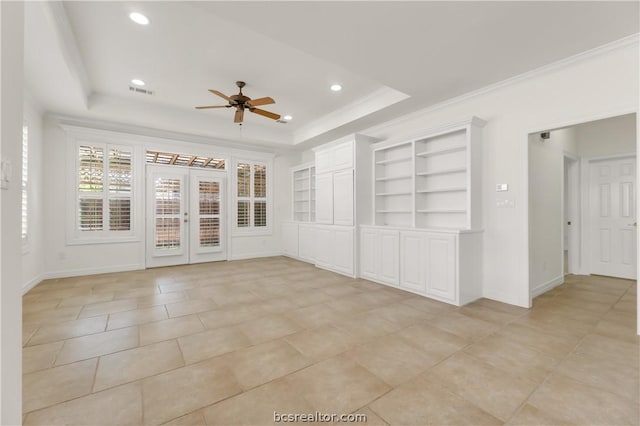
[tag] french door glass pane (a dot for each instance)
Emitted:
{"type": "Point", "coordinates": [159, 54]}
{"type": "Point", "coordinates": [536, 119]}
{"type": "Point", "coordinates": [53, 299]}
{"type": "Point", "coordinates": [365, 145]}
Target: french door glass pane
{"type": "Point", "coordinates": [167, 199]}
{"type": "Point", "coordinates": [209, 206]}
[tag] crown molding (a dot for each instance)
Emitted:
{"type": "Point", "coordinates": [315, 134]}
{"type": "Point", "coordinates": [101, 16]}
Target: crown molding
{"type": "Point", "coordinates": [554, 66]}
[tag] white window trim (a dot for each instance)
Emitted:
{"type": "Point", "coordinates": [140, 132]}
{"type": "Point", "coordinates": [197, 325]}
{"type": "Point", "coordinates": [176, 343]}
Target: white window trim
{"type": "Point", "coordinates": [251, 230]}
{"type": "Point", "coordinates": [74, 235]}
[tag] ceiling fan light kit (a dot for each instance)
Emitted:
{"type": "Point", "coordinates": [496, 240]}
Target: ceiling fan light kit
{"type": "Point", "coordinates": [241, 103]}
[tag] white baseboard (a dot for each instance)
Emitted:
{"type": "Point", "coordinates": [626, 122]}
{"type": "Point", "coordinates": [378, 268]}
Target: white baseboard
{"type": "Point", "coordinates": [543, 288]}
{"type": "Point", "coordinates": [32, 283]}
{"type": "Point", "coordinates": [92, 271]}
{"type": "Point", "coordinates": [255, 255]}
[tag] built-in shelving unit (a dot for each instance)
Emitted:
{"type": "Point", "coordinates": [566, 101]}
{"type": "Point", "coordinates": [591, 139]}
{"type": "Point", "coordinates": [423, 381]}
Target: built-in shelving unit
{"type": "Point", "coordinates": [432, 181]}
{"type": "Point", "coordinates": [303, 193]}
{"type": "Point", "coordinates": [393, 171]}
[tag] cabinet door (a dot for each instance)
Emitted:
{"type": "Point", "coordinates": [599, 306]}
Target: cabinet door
{"type": "Point", "coordinates": [343, 156]}
{"type": "Point", "coordinates": [324, 198]}
{"type": "Point", "coordinates": [412, 260]}
{"type": "Point", "coordinates": [324, 247]}
{"type": "Point", "coordinates": [343, 250]}
{"type": "Point", "coordinates": [323, 161]}
{"type": "Point", "coordinates": [369, 253]}
{"type": "Point", "coordinates": [343, 198]}
{"type": "Point", "coordinates": [441, 266]}
{"type": "Point", "coordinates": [306, 242]}
{"type": "Point", "coordinates": [290, 239]}
{"type": "Point", "coordinates": [388, 264]}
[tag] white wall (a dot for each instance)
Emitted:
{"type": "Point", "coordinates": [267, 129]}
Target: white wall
{"type": "Point", "coordinates": [586, 88]}
{"type": "Point", "coordinates": [11, 100]}
{"type": "Point", "coordinates": [63, 259]}
{"type": "Point", "coordinates": [33, 262]}
{"type": "Point", "coordinates": [546, 179]}
{"type": "Point", "coordinates": [615, 135]}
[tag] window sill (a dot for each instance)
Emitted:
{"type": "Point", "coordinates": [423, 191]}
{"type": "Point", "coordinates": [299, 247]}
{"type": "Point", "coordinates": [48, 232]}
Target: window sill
{"type": "Point", "coordinates": [252, 233]}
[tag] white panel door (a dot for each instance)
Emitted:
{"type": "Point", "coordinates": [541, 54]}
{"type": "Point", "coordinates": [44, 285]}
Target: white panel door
{"type": "Point", "coordinates": [412, 260]}
{"type": "Point", "coordinates": [324, 247]}
{"type": "Point", "coordinates": [306, 242]}
{"type": "Point", "coordinates": [343, 198]}
{"type": "Point", "coordinates": [343, 250]}
{"type": "Point", "coordinates": [167, 216]}
{"type": "Point", "coordinates": [388, 269]}
{"type": "Point", "coordinates": [369, 253]}
{"type": "Point", "coordinates": [441, 266]}
{"type": "Point", "coordinates": [290, 239]}
{"type": "Point", "coordinates": [324, 198]}
{"type": "Point", "coordinates": [612, 199]}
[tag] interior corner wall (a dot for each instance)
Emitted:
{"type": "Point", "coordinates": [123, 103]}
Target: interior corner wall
{"type": "Point", "coordinates": [612, 136]}
{"type": "Point", "coordinates": [33, 262]}
{"type": "Point", "coordinates": [546, 181]}
{"type": "Point", "coordinates": [11, 100]}
{"type": "Point", "coordinates": [590, 87]}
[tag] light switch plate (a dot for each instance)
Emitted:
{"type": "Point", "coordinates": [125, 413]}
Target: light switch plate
{"type": "Point", "coordinates": [500, 187]}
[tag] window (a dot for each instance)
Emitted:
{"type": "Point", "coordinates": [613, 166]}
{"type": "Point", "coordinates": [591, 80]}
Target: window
{"type": "Point", "coordinates": [105, 189]}
{"type": "Point", "coordinates": [251, 196]}
{"type": "Point", "coordinates": [25, 180]}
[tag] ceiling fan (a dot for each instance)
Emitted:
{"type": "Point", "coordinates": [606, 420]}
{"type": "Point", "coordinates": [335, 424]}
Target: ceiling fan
{"type": "Point", "coordinates": [242, 102]}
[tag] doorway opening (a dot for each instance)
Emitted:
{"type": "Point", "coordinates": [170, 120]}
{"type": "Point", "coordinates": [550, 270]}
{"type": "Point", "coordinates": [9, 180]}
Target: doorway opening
{"type": "Point", "coordinates": [582, 202]}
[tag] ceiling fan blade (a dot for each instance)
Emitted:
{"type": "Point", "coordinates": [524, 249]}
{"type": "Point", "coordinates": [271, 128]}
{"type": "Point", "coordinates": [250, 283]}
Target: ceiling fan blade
{"type": "Point", "coordinates": [222, 95]}
{"type": "Point", "coordinates": [239, 115]}
{"type": "Point", "coordinates": [261, 101]}
{"type": "Point", "coordinates": [264, 113]}
{"type": "Point", "coordinates": [212, 106]}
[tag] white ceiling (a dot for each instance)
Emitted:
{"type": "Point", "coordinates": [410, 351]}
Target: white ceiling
{"type": "Point", "coordinates": [391, 58]}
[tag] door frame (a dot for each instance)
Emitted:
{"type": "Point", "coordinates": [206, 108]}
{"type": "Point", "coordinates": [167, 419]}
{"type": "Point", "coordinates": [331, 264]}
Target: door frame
{"type": "Point", "coordinates": [524, 297]}
{"type": "Point", "coordinates": [221, 174]}
{"type": "Point", "coordinates": [586, 206]}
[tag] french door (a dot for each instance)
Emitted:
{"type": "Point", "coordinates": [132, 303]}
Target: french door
{"type": "Point", "coordinates": [185, 216]}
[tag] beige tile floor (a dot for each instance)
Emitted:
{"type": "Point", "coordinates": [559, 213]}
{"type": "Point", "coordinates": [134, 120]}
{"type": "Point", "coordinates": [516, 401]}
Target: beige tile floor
{"type": "Point", "coordinates": [230, 343]}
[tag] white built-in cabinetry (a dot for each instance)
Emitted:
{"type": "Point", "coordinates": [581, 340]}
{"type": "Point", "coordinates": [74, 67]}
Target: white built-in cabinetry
{"type": "Point", "coordinates": [343, 200]}
{"type": "Point", "coordinates": [298, 234]}
{"type": "Point", "coordinates": [427, 223]}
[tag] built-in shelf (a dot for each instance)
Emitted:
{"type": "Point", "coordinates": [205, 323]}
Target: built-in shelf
{"type": "Point", "coordinates": [303, 178]}
{"type": "Point", "coordinates": [389, 194]}
{"type": "Point", "coordinates": [441, 151]}
{"type": "Point", "coordinates": [394, 160]}
{"type": "Point", "coordinates": [442, 211]}
{"type": "Point", "coordinates": [449, 189]}
{"type": "Point", "coordinates": [442, 171]}
{"type": "Point", "coordinates": [386, 178]}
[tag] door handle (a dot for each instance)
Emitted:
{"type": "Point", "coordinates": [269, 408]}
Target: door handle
{"type": "Point", "coordinates": [632, 224]}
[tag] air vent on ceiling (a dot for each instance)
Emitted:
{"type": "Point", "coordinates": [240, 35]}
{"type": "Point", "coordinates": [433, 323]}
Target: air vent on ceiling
{"type": "Point", "coordinates": [282, 121]}
{"type": "Point", "coordinates": [140, 90]}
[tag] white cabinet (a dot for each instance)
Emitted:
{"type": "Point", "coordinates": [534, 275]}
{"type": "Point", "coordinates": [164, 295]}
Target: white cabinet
{"type": "Point", "coordinates": [335, 156]}
{"type": "Point", "coordinates": [440, 259]}
{"type": "Point", "coordinates": [379, 257]}
{"type": "Point", "coordinates": [412, 260]}
{"type": "Point", "coordinates": [290, 239]}
{"type": "Point", "coordinates": [324, 198]}
{"type": "Point", "coordinates": [343, 198]}
{"type": "Point", "coordinates": [334, 249]}
{"type": "Point", "coordinates": [306, 242]}
{"type": "Point", "coordinates": [443, 265]}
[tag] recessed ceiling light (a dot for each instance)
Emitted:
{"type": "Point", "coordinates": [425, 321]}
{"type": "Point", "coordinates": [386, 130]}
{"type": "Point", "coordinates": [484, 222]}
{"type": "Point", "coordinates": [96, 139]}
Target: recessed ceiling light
{"type": "Point", "coordinates": [287, 117]}
{"type": "Point", "coordinates": [336, 87]}
{"type": "Point", "coordinates": [137, 82]}
{"type": "Point", "coordinates": [139, 18]}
